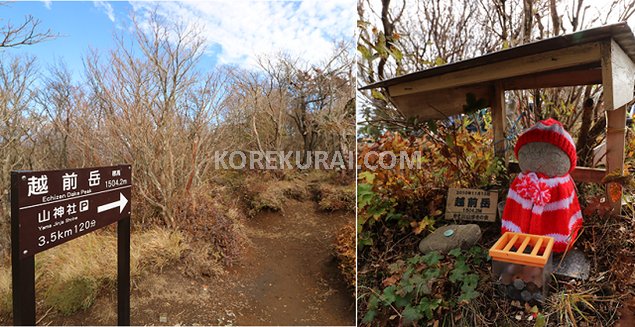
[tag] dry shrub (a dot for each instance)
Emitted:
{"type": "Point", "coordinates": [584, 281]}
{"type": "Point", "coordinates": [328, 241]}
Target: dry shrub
{"type": "Point", "coordinates": [216, 228]}
{"type": "Point", "coordinates": [266, 198]}
{"type": "Point", "coordinates": [345, 252]}
{"type": "Point", "coordinates": [262, 194]}
{"type": "Point", "coordinates": [71, 275]}
{"type": "Point", "coordinates": [158, 248]}
{"type": "Point", "coordinates": [294, 189]}
{"type": "Point", "coordinates": [334, 197]}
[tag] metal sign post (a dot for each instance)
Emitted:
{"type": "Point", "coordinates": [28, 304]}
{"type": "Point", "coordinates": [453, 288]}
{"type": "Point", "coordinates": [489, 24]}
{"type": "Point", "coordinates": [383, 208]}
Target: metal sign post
{"type": "Point", "coordinates": [49, 208]}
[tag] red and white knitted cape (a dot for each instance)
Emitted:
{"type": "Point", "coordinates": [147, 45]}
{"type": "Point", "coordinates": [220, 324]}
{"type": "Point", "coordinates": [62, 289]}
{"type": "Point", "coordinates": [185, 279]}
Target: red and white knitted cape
{"type": "Point", "coordinates": [537, 204]}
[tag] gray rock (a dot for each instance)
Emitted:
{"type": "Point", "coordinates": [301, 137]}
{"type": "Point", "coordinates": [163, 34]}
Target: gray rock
{"type": "Point", "coordinates": [463, 236]}
{"type": "Point", "coordinates": [575, 265]}
{"type": "Point", "coordinates": [519, 284]}
{"type": "Point", "coordinates": [526, 295]}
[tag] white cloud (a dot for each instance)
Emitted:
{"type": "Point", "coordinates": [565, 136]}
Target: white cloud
{"type": "Point", "coordinates": [107, 8]}
{"type": "Point", "coordinates": [47, 3]}
{"type": "Point", "coordinates": [247, 29]}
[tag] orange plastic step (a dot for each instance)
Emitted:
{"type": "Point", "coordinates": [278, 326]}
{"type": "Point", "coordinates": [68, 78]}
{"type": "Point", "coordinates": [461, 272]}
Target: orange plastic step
{"type": "Point", "coordinates": [510, 248]}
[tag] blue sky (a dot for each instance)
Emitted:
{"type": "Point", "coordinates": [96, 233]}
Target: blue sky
{"type": "Point", "coordinates": [80, 24]}
{"type": "Point", "coordinates": [237, 31]}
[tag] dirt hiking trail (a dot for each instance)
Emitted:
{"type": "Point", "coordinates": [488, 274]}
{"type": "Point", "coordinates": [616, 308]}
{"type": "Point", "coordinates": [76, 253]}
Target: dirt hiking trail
{"type": "Point", "coordinates": [288, 276]}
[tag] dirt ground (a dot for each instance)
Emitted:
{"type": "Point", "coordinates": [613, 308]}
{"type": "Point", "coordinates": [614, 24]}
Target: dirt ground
{"type": "Point", "coordinates": [288, 276]}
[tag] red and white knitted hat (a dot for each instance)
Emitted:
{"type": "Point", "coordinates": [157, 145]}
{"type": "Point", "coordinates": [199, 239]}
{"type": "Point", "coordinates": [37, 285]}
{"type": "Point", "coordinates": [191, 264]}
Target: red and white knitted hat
{"type": "Point", "coordinates": [549, 131]}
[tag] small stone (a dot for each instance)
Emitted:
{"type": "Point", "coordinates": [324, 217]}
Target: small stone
{"type": "Point", "coordinates": [519, 284]}
{"type": "Point", "coordinates": [526, 295]}
{"type": "Point", "coordinates": [163, 317]}
{"type": "Point", "coordinates": [463, 236]}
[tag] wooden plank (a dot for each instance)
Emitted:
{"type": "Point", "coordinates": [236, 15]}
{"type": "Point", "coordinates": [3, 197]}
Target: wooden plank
{"type": "Point", "coordinates": [439, 105]}
{"type": "Point", "coordinates": [536, 247]}
{"type": "Point", "coordinates": [551, 60]}
{"type": "Point", "coordinates": [579, 174]}
{"type": "Point", "coordinates": [599, 155]}
{"type": "Point", "coordinates": [497, 106]}
{"type": "Point", "coordinates": [618, 78]}
{"type": "Point", "coordinates": [588, 175]}
{"type": "Point", "coordinates": [554, 79]}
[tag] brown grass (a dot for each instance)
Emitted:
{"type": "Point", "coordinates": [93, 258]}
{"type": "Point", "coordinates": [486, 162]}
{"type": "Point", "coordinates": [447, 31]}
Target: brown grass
{"type": "Point", "coordinates": [5, 289]}
{"type": "Point", "coordinates": [70, 275]}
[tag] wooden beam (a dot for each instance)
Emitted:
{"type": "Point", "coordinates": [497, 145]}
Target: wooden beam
{"type": "Point", "coordinates": [554, 79]}
{"type": "Point", "coordinates": [618, 77]}
{"type": "Point", "coordinates": [550, 60]}
{"type": "Point", "coordinates": [497, 106]}
{"type": "Point", "coordinates": [439, 105]}
{"type": "Point", "coordinates": [588, 175]}
{"type": "Point", "coordinates": [579, 174]}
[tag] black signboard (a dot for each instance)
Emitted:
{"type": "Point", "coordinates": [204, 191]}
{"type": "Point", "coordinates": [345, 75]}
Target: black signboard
{"type": "Point", "coordinates": [58, 206]}
{"type": "Point", "coordinates": [49, 208]}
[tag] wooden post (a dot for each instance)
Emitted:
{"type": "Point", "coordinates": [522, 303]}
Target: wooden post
{"type": "Point", "coordinates": [497, 104]}
{"type": "Point", "coordinates": [618, 79]}
{"type": "Point", "coordinates": [22, 269]}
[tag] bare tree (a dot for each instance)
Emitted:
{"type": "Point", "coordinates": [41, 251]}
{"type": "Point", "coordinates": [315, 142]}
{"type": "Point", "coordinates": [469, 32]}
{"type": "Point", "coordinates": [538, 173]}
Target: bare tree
{"type": "Point", "coordinates": [26, 33]}
{"type": "Point", "coordinates": [19, 125]}
{"type": "Point", "coordinates": [158, 112]}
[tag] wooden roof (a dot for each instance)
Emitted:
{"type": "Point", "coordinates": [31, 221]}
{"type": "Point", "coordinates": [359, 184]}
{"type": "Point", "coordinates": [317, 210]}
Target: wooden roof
{"type": "Point", "coordinates": [567, 60]}
{"type": "Point", "coordinates": [619, 32]}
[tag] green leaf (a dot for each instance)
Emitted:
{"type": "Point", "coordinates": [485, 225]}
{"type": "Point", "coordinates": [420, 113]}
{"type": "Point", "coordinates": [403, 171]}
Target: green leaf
{"type": "Point", "coordinates": [365, 52]}
{"type": "Point", "coordinates": [428, 307]}
{"type": "Point", "coordinates": [364, 240]}
{"type": "Point", "coordinates": [365, 194]}
{"type": "Point", "coordinates": [415, 260]}
{"type": "Point", "coordinates": [432, 258]}
{"type": "Point", "coordinates": [389, 295]}
{"type": "Point", "coordinates": [468, 296]}
{"type": "Point", "coordinates": [460, 268]}
{"type": "Point", "coordinates": [396, 54]}
{"type": "Point", "coordinates": [449, 140]}
{"type": "Point", "coordinates": [410, 314]}
{"type": "Point", "coordinates": [540, 320]}
{"type": "Point", "coordinates": [368, 176]}
{"type": "Point", "coordinates": [373, 302]}
{"type": "Point", "coordinates": [377, 95]}
{"type": "Point", "coordinates": [470, 281]}
{"type": "Point", "coordinates": [369, 316]}
{"type": "Point", "coordinates": [401, 302]}
{"type": "Point", "coordinates": [455, 252]}
{"type": "Point", "coordinates": [439, 61]}
{"type": "Point", "coordinates": [432, 273]}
